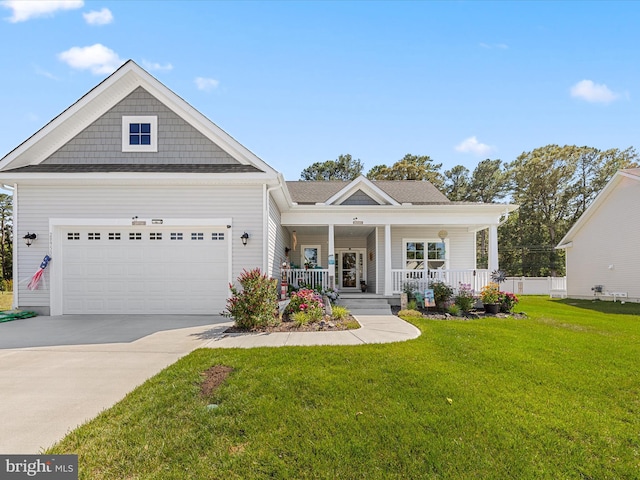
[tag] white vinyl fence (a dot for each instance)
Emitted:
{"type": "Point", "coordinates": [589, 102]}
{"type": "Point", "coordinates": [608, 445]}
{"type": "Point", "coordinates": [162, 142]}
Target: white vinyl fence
{"type": "Point", "coordinates": [535, 285]}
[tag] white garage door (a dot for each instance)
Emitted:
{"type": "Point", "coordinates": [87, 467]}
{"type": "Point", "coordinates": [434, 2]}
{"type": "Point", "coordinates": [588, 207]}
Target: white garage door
{"type": "Point", "coordinates": [166, 270]}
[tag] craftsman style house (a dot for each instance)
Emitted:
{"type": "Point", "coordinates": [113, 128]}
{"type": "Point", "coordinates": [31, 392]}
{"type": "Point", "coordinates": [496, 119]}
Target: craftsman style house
{"type": "Point", "coordinates": [146, 206]}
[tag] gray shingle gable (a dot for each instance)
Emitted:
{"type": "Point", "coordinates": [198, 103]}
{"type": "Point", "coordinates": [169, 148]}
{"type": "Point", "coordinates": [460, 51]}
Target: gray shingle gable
{"type": "Point", "coordinates": [178, 142]}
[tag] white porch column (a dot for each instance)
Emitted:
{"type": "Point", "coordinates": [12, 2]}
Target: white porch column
{"type": "Point", "coordinates": [332, 257]}
{"type": "Point", "coordinates": [388, 290]}
{"type": "Point", "coordinates": [493, 248]}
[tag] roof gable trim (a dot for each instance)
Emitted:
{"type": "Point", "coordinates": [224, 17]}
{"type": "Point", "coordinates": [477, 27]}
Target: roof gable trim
{"type": "Point", "coordinates": [367, 187]}
{"type": "Point", "coordinates": [600, 198]}
{"type": "Point", "coordinates": [104, 96]}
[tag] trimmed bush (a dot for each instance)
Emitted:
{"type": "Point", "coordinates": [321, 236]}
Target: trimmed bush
{"type": "Point", "coordinates": [256, 304]}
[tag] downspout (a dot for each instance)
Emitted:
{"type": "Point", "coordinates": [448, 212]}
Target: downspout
{"type": "Point", "coordinates": [265, 227]}
{"type": "Point", "coordinates": [16, 284]}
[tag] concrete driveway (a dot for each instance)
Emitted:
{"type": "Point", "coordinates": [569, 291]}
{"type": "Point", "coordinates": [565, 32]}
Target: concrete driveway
{"type": "Point", "coordinates": [58, 372]}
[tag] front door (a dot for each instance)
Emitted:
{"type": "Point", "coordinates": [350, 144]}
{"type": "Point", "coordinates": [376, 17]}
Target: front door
{"type": "Point", "coordinates": [350, 268]}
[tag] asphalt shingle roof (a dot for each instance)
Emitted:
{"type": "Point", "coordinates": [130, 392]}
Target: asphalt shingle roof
{"type": "Point", "coordinates": [403, 191]}
{"type": "Point", "coordinates": [140, 167]}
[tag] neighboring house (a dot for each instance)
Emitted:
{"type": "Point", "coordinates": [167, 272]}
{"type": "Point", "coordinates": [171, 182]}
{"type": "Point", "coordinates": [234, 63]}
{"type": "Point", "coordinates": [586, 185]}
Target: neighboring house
{"type": "Point", "coordinates": [602, 246]}
{"type": "Point", "coordinates": [146, 206]}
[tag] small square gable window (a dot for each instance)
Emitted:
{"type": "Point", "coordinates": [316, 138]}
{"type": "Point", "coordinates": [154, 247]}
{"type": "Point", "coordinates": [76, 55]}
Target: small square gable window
{"type": "Point", "coordinates": [140, 133]}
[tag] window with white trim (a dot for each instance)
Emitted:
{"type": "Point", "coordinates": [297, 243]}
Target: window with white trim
{"type": "Point", "coordinates": [311, 255]}
{"type": "Point", "coordinates": [139, 133]}
{"type": "Point", "coordinates": [418, 253]}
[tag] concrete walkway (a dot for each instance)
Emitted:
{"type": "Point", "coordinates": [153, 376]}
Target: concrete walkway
{"type": "Point", "coordinates": [58, 372]}
{"type": "Point", "coordinates": [374, 329]}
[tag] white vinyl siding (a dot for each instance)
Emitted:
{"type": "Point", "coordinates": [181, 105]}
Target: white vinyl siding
{"type": "Point", "coordinates": [243, 204]}
{"type": "Point", "coordinates": [605, 250]}
{"type": "Point", "coordinates": [277, 241]}
{"type": "Point", "coordinates": [461, 245]}
{"type": "Point", "coordinates": [371, 262]}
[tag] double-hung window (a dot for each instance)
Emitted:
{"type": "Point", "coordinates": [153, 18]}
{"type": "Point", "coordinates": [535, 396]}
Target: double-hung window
{"type": "Point", "coordinates": [139, 133]}
{"type": "Point", "coordinates": [421, 254]}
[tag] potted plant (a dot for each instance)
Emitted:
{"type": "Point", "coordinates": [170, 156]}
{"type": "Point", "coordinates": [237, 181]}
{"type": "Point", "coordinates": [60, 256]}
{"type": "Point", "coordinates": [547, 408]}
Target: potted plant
{"type": "Point", "coordinates": [442, 294]}
{"type": "Point", "coordinates": [363, 286]}
{"type": "Point", "coordinates": [490, 296]}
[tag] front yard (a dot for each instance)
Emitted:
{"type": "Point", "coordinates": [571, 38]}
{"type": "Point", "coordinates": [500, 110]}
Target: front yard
{"type": "Point", "coordinates": [556, 395]}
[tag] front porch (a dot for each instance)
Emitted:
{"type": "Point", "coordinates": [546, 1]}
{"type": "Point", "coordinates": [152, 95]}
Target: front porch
{"type": "Point", "coordinates": [383, 259]}
{"type": "Point", "coordinates": [319, 278]}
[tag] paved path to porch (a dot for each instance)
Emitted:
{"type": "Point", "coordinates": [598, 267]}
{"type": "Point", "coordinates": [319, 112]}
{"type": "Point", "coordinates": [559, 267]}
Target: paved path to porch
{"type": "Point", "coordinates": [374, 329]}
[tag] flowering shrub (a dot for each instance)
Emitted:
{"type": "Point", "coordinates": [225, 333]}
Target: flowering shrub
{"type": "Point", "coordinates": [256, 304]}
{"type": "Point", "coordinates": [332, 293]}
{"type": "Point", "coordinates": [305, 300]}
{"type": "Point", "coordinates": [465, 298]}
{"type": "Point", "coordinates": [507, 301]}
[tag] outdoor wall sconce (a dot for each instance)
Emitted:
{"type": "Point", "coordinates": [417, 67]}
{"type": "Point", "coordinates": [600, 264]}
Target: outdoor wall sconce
{"type": "Point", "coordinates": [29, 238]}
{"type": "Point", "coordinates": [245, 238]}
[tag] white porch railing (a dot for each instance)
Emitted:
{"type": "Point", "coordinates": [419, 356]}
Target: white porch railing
{"type": "Point", "coordinates": [314, 277]}
{"type": "Point", "coordinates": [420, 278]}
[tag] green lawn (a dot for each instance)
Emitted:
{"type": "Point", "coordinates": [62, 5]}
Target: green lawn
{"type": "Point", "coordinates": [554, 396]}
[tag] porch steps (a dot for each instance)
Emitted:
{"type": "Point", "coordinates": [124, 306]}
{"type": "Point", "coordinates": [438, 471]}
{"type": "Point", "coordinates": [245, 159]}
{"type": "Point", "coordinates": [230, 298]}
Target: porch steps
{"type": "Point", "coordinates": [365, 304]}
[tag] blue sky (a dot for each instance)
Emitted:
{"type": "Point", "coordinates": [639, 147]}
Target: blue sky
{"type": "Point", "coordinates": [303, 82]}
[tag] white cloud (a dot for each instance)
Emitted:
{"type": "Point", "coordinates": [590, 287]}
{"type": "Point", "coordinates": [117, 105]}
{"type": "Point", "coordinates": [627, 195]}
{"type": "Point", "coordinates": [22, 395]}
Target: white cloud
{"type": "Point", "coordinates": [97, 58]}
{"type": "Point", "coordinates": [206, 84]}
{"type": "Point", "coordinates": [98, 17]}
{"type": "Point", "coordinates": [593, 92]}
{"type": "Point", "coordinates": [156, 66]}
{"type": "Point", "coordinates": [26, 10]}
{"type": "Point", "coordinates": [471, 145]}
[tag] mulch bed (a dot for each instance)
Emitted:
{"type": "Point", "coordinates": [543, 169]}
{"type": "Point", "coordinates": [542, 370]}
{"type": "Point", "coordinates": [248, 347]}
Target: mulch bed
{"type": "Point", "coordinates": [290, 326]}
{"type": "Point", "coordinates": [472, 315]}
{"type": "Point", "coordinates": [213, 378]}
